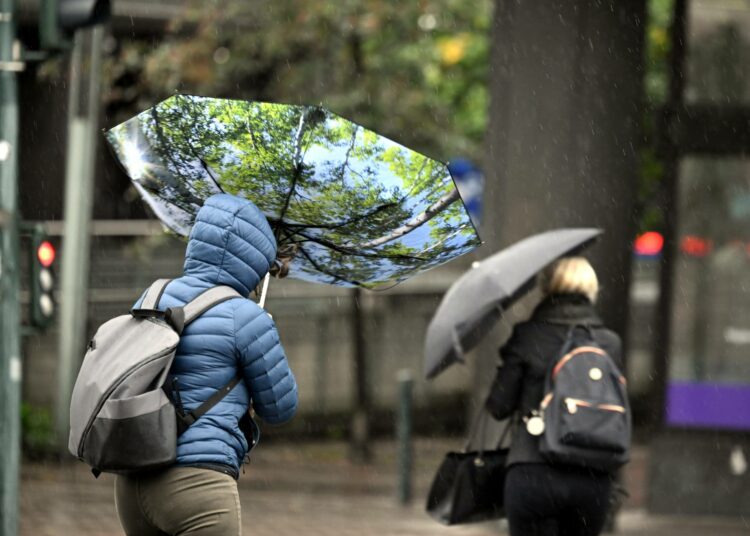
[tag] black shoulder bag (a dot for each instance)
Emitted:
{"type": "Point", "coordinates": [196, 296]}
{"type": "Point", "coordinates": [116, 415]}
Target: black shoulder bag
{"type": "Point", "coordinates": [468, 486]}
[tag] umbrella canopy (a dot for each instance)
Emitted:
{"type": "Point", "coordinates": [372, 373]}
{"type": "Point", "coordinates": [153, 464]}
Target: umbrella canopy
{"type": "Point", "coordinates": [348, 207]}
{"type": "Point", "coordinates": [474, 303]}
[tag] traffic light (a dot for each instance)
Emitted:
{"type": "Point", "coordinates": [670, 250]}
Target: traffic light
{"type": "Point", "coordinates": [59, 19]}
{"type": "Point", "coordinates": [43, 255]}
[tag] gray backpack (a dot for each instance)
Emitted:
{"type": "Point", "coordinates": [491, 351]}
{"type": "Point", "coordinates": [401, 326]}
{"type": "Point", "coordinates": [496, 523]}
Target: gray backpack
{"type": "Point", "coordinates": [123, 418]}
{"type": "Point", "coordinates": [585, 411]}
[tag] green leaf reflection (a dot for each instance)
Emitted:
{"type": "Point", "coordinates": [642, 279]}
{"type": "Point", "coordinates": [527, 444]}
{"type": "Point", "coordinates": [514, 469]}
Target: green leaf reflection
{"type": "Point", "coordinates": [359, 208]}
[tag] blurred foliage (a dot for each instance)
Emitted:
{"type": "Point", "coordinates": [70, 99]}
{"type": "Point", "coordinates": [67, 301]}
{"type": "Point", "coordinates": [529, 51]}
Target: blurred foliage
{"type": "Point", "coordinates": [656, 79]}
{"type": "Point", "coordinates": [656, 84]}
{"type": "Point", "coordinates": [37, 430]}
{"type": "Point", "coordinates": [413, 71]}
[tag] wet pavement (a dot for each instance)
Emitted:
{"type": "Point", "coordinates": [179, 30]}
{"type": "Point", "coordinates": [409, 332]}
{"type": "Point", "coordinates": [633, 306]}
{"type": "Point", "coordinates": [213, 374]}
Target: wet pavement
{"type": "Point", "coordinates": [312, 489]}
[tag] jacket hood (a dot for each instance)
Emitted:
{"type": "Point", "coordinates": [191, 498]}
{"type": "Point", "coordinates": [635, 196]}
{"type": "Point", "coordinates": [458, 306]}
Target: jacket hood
{"type": "Point", "coordinates": [231, 243]}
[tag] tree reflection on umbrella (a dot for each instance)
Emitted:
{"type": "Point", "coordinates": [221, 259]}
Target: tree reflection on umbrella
{"type": "Point", "coordinates": [349, 207]}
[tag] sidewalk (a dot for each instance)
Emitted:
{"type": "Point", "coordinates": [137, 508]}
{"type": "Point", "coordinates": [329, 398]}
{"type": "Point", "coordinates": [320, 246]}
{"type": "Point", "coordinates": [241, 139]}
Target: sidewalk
{"type": "Point", "coordinates": [309, 489]}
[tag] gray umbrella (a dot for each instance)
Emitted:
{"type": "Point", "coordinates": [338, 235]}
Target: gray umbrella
{"type": "Point", "coordinates": [475, 302]}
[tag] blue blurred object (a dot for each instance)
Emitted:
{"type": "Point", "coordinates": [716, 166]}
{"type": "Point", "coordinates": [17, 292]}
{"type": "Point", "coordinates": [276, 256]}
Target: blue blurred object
{"type": "Point", "coordinates": [470, 183]}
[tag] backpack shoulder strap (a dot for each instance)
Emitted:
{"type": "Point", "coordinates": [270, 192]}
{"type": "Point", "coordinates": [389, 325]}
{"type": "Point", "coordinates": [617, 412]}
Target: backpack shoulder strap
{"type": "Point", "coordinates": [206, 300]}
{"type": "Point", "coordinates": [179, 317]}
{"type": "Point", "coordinates": [153, 294]}
{"type": "Point", "coordinates": [186, 419]}
{"type": "Point", "coordinates": [567, 344]}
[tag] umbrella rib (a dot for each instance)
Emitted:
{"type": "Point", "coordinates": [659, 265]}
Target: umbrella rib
{"type": "Point", "coordinates": [297, 165]}
{"type": "Point", "coordinates": [208, 171]}
{"type": "Point", "coordinates": [443, 240]}
{"type": "Point", "coordinates": [164, 142]}
{"type": "Point", "coordinates": [204, 165]}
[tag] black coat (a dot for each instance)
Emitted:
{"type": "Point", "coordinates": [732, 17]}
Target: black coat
{"type": "Point", "coordinates": [528, 354]}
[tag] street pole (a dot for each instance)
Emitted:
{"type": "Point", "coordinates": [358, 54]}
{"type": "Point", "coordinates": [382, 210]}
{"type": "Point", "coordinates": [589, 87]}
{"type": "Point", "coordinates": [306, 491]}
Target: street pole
{"type": "Point", "coordinates": [10, 344]}
{"type": "Point", "coordinates": [403, 436]}
{"type": "Point", "coordinates": [360, 429]}
{"type": "Point", "coordinates": [83, 120]}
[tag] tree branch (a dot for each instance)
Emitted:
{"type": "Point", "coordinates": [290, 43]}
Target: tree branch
{"type": "Point", "coordinates": [431, 211]}
{"type": "Point", "coordinates": [324, 271]}
{"type": "Point", "coordinates": [344, 250]}
{"type": "Point", "coordinates": [338, 225]}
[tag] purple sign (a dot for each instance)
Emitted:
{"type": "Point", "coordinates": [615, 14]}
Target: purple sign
{"type": "Point", "coordinates": [708, 405]}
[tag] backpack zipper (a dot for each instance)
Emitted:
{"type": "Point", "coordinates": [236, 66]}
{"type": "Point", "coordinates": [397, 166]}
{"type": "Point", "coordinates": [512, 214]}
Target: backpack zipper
{"type": "Point", "coordinates": [567, 357]}
{"type": "Point", "coordinates": [573, 404]}
{"type": "Point", "coordinates": [105, 396]}
{"type": "Point", "coordinates": [581, 349]}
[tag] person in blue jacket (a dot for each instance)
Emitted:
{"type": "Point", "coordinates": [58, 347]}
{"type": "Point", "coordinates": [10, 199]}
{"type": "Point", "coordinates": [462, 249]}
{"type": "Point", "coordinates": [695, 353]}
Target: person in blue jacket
{"type": "Point", "coordinates": [230, 244]}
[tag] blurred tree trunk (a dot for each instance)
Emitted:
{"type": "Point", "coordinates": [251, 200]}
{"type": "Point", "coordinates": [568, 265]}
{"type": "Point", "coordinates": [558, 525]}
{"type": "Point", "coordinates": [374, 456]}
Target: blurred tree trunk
{"type": "Point", "coordinates": [564, 131]}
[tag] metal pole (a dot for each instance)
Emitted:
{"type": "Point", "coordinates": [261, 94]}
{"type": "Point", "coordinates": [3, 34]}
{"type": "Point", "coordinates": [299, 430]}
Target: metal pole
{"type": "Point", "coordinates": [403, 435]}
{"type": "Point", "coordinates": [321, 364]}
{"type": "Point", "coordinates": [360, 427]}
{"type": "Point", "coordinates": [669, 208]}
{"type": "Point", "coordinates": [83, 120]}
{"type": "Point", "coordinates": [10, 343]}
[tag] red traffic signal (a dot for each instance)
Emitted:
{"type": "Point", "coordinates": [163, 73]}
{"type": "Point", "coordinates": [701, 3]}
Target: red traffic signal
{"type": "Point", "coordinates": [696, 246]}
{"type": "Point", "coordinates": [42, 256]}
{"type": "Point", "coordinates": [46, 253]}
{"type": "Point", "coordinates": [649, 244]}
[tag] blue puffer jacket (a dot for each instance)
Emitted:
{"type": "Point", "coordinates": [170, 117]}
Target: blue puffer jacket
{"type": "Point", "coordinates": [230, 244]}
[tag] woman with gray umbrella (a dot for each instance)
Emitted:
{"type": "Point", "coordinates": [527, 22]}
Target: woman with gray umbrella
{"type": "Point", "coordinates": [542, 498]}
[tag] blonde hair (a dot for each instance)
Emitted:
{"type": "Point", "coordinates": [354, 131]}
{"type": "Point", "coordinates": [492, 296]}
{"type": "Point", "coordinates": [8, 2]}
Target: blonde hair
{"type": "Point", "coordinates": [571, 275]}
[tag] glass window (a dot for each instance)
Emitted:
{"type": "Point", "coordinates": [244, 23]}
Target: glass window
{"type": "Point", "coordinates": [710, 351]}
{"type": "Point", "coordinates": [718, 52]}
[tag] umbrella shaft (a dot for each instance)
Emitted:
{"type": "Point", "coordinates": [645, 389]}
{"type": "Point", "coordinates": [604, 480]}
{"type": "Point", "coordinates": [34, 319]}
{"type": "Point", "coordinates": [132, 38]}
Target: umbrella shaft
{"type": "Point", "coordinates": [264, 291]}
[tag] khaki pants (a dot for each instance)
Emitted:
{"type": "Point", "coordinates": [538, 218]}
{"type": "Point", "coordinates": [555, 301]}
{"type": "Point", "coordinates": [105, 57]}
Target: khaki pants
{"type": "Point", "coordinates": [178, 500]}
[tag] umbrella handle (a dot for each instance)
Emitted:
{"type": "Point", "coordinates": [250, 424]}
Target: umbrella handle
{"type": "Point", "coordinates": [264, 291]}
{"type": "Point", "coordinates": [479, 428]}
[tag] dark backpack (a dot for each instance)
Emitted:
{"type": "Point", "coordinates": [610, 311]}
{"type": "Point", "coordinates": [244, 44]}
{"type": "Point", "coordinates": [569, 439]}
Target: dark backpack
{"type": "Point", "coordinates": [586, 413]}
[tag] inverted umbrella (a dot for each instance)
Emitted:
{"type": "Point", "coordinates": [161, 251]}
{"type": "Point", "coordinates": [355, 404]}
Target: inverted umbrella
{"type": "Point", "coordinates": [349, 207]}
{"type": "Point", "coordinates": [474, 303]}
